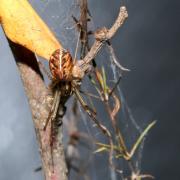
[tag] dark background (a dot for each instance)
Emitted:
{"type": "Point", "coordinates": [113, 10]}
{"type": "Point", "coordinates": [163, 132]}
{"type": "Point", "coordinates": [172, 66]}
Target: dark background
{"type": "Point", "coordinates": [148, 44]}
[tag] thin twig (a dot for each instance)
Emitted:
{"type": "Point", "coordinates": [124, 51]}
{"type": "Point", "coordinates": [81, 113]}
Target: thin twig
{"type": "Point", "coordinates": [114, 59]}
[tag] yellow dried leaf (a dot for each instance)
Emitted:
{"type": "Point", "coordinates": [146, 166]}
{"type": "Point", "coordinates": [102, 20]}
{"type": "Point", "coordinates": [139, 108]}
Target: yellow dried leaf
{"type": "Point", "coordinates": [23, 26]}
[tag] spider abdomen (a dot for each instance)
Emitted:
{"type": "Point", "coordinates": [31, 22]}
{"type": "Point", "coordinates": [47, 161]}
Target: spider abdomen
{"type": "Point", "coordinates": [61, 65]}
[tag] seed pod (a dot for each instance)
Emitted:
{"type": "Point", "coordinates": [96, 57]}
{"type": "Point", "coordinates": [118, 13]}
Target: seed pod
{"type": "Point", "coordinates": [61, 65]}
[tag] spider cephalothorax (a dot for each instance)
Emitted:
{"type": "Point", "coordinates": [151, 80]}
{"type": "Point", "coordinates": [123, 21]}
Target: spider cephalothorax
{"type": "Point", "coordinates": [61, 65]}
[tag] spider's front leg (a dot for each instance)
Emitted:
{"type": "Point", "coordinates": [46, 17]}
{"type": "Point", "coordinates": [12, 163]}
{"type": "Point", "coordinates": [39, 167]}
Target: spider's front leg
{"type": "Point", "coordinates": [54, 108]}
{"type": "Point", "coordinates": [55, 117]}
{"type": "Point", "coordinates": [90, 111]}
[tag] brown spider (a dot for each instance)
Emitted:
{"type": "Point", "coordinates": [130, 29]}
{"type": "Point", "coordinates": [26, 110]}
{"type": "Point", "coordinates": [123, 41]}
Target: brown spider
{"type": "Point", "coordinates": [66, 80]}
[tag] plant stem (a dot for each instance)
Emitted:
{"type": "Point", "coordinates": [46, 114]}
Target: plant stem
{"type": "Point", "coordinates": [37, 94]}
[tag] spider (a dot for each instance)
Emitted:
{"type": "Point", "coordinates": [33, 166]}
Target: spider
{"type": "Point", "coordinates": [66, 79]}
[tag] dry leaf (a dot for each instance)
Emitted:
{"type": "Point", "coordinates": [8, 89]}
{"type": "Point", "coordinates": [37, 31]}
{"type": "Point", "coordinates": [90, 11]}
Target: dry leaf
{"type": "Point", "coordinates": [23, 26]}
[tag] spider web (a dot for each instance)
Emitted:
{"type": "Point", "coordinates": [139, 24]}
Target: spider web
{"type": "Point", "coordinates": [57, 14]}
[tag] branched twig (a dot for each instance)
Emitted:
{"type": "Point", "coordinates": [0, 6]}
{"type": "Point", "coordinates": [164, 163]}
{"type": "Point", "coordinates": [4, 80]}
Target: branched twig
{"type": "Point", "coordinates": [102, 35]}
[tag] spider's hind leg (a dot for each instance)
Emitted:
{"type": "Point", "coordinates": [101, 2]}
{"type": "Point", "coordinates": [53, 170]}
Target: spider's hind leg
{"type": "Point", "coordinates": [52, 118]}
{"type": "Point", "coordinates": [54, 108]}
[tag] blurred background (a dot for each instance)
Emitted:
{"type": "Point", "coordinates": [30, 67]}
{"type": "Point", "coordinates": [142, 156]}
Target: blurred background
{"type": "Point", "coordinates": [148, 44]}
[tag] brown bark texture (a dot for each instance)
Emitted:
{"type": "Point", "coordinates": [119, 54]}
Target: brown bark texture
{"type": "Point", "coordinates": [39, 101]}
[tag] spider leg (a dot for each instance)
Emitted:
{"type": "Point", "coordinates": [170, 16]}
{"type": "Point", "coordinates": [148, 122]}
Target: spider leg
{"type": "Point", "coordinates": [52, 118]}
{"type": "Point", "coordinates": [57, 98]}
{"type": "Point", "coordinates": [92, 115]}
{"type": "Point", "coordinates": [53, 125]}
{"type": "Point", "coordinates": [54, 108]}
{"type": "Point", "coordinates": [90, 111]}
